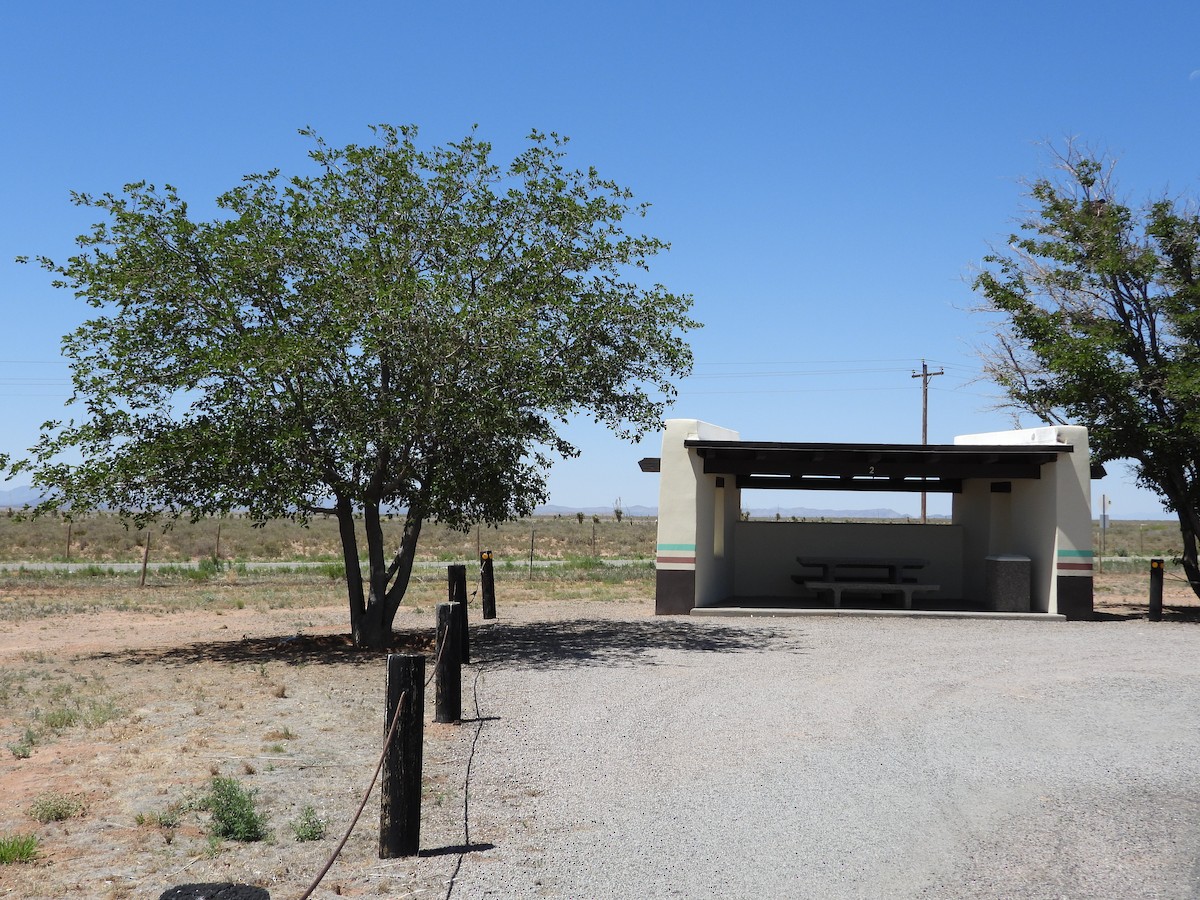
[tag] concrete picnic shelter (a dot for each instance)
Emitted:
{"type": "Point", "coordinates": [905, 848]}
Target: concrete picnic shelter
{"type": "Point", "coordinates": [1019, 538]}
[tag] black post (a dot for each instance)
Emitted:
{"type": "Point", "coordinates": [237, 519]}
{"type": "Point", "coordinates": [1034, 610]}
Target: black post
{"type": "Point", "coordinates": [487, 584]}
{"type": "Point", "coordinates": [1156, 589]}
{"type": "Point", "coordinates": [400, 811]}
{"type": "Point", "coordinates": [447, 672]}
{"type": "Point", "coordinates": [458, 594]}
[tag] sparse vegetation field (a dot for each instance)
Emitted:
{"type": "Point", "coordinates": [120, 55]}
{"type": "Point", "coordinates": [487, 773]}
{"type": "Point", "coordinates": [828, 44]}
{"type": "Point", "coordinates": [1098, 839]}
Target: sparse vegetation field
{"type": "Point", "coordinates": [102, 538]}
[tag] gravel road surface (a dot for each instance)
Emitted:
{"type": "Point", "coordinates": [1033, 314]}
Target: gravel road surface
{"type": "Point", "coordinates": [832, 758]}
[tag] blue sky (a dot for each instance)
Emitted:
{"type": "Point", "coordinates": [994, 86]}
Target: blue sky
{"type": "Point", "coordinates": [828, 174]}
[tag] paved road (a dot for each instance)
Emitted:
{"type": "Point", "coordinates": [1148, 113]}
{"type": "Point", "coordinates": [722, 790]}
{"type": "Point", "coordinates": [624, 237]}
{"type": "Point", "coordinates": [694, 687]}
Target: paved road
{"type": "Point", "coordinates": [268, 566]}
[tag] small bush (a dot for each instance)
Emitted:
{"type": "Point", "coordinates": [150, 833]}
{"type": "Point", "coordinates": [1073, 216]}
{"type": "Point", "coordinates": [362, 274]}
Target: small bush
{"type": "Point", "coordinates": [167, 819]}
{"type": "Point", "coordinates": [99, 712]}
{"type": "Point", "coordinates": [333, 571]}
{"type": "Point", "coordinates": [60, 718]}
{"type": "Point", "coordinates": [310, 826]}
{"type": "Point", "coordinates": [55, 808]}
{"type": "Point", "coordinates": [23, 749]}
{"type": "Point", "coordinates": [234, 813]}
{"type": "Point", "coordinates": [17, 848]}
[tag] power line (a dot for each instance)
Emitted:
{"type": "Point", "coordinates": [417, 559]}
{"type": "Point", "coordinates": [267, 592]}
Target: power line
{"type": "Point", "coordinates": [808, 372]}
{"type": "Point", "coordinates": [792, 391]}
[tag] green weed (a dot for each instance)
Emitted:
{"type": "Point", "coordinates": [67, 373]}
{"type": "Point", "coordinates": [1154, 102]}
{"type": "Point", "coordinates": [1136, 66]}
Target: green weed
{"type": "Point", "coordinates": [309, 827]}
{"type": "Point", "coordinates": [23, 749]}
{"type": "Point", "coordinates": [167, 819]}
{"type": "Point", "coordinates": [59, 719]}
{"type": "Point", "coordinates": [18, 848]}
{"type": "Point", "coordinates": [234, 811]}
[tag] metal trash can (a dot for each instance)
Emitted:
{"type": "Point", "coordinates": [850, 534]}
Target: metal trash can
{"type": "Point", "coordinates": [1009, 581]}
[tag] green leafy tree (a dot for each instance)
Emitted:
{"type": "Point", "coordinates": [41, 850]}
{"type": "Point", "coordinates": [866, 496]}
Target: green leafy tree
{"type": "Point", "coordinates": [401, 328]}
{"type": "Point", "coordinates": [1099, 305]}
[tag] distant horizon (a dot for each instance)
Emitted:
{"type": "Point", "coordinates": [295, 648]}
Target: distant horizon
{"type": "Point", "coordinates": [23, 496]}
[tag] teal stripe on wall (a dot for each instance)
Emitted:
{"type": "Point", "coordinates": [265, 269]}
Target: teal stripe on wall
{"type": "Point", "coordinates": [676, 546]}
{"type": "Point", "coordinates": [1075, 553]}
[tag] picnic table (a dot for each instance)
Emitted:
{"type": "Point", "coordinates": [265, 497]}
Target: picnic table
{"type": "Point", "coordinates": [863, 575]}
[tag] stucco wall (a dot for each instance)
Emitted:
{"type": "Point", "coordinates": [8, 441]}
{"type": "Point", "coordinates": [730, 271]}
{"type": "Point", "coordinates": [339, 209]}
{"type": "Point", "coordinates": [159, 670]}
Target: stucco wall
{"type": "Point", "coordinates": [1047, 519]}
{"type": "Point", "coordinates": [688, 512]}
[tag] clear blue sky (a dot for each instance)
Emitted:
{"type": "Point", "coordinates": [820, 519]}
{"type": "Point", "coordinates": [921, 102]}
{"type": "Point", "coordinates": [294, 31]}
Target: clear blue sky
{"type": "Point", "coordinates": [828, 174]}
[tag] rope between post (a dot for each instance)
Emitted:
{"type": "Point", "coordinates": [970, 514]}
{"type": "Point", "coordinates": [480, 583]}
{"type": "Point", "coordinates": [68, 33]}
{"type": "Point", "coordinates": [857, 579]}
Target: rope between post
{"type": "Point", "coordinates": [354, 821]}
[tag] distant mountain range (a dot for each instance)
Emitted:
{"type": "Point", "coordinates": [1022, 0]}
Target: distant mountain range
{"type": "Point", "coordinates": [18, 497]}
{"type": "Point", "coordinates": [799, 512]}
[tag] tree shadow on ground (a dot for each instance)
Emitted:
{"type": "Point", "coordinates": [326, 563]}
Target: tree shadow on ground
{"type": "Point", "coordinates": [1180, 614]}
{"type": "Point", "coordinates": [576, 642]}
{"type": "Point", "coordinates": [1185, 614]}
{"type": "Point", "coordinates": [299, 649]}
{"type": "Point", "coordinates": [591, 642]}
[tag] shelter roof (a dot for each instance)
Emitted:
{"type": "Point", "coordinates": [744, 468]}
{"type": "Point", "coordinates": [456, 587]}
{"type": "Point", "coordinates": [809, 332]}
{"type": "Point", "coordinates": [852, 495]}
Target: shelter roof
{"type": "Point", "coordinates": [868, 467]}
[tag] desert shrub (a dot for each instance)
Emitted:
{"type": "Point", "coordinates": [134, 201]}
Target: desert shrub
{"type": "Point", "coordinates": [23, 749]}
{"type": "Point", "coordinates": [60, 718]}
{"type": "Point", "coordinates": [54, 807]}
{"type": "Point", "coordinates": [167, 819]}
{"type": "Point", "coordinates": [334, 571]}
{"type": "Point", "coordinates": [234, 811]}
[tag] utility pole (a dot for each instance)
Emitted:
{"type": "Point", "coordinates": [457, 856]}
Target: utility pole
{"type": "Point", "coordinates": [925, 375]}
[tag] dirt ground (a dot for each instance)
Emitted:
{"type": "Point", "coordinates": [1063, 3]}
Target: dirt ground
{"type": "Point", "coordinates": [272, 697]}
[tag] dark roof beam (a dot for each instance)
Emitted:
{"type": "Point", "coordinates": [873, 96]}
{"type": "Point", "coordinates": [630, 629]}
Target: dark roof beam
{"type": "Point", "coordinates": [942, 485]}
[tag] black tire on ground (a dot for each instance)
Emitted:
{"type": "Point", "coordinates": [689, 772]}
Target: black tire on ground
{"type": "Point", "coordinates": [215, 891]}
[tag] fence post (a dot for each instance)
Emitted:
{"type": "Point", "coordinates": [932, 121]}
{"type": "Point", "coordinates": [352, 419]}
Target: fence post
{"type": "Point", "coordinates": [1156, 589]}
{"type": "Point", "coordinates": [487, 584]}
{"type": "Point", "coordinates": [447, 673]}
{"type": "Point", "coordinates": [458, 594]}
{"type": "Point", "coordinates": [145, 560]}
{"type": "Point", "coordinates": [532, 535]}
{"type": "Point", "coordinates": [400, 809]}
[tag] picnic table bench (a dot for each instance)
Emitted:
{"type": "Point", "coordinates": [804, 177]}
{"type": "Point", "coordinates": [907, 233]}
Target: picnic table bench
{"type": "Point", "coordinates": [864, 575]}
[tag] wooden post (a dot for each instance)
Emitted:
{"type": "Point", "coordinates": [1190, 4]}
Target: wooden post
{"type": "Point", "coordinates": [447, 672]}
{"type": "Point", "coordinates": [400, 810]}
{"type": "Point", "coordinates": [217, 549]}
{"type": "Point", "coordinates": [1156, 589]}
{"type": "Point", "coordinates": [487, 584]}
{"type": "Point", "coordinates": [145, 559]}
{"type": "Point", "coordinates": [532, 532]}
{"type": "Point", "coordinates": [458, 594]}
{"type": "Point", "coordinates": [68, 542]}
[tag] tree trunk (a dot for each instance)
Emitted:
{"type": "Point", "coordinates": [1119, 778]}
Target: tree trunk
{"type": "Point", "coordinates": [1178, 489]}
{"type": "Point", "coordinates": [362, 630]}
{"type": "Point", "coordinates": [1189, 560]}
{"type": "Point", "coordinates": [373, 609]}
{"type": "Point", "coordinates": [403, 563]}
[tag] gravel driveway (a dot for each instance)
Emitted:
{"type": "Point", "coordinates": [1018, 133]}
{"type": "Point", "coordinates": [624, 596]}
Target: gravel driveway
{"type": "Point", "coordinates": [674, 757]}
